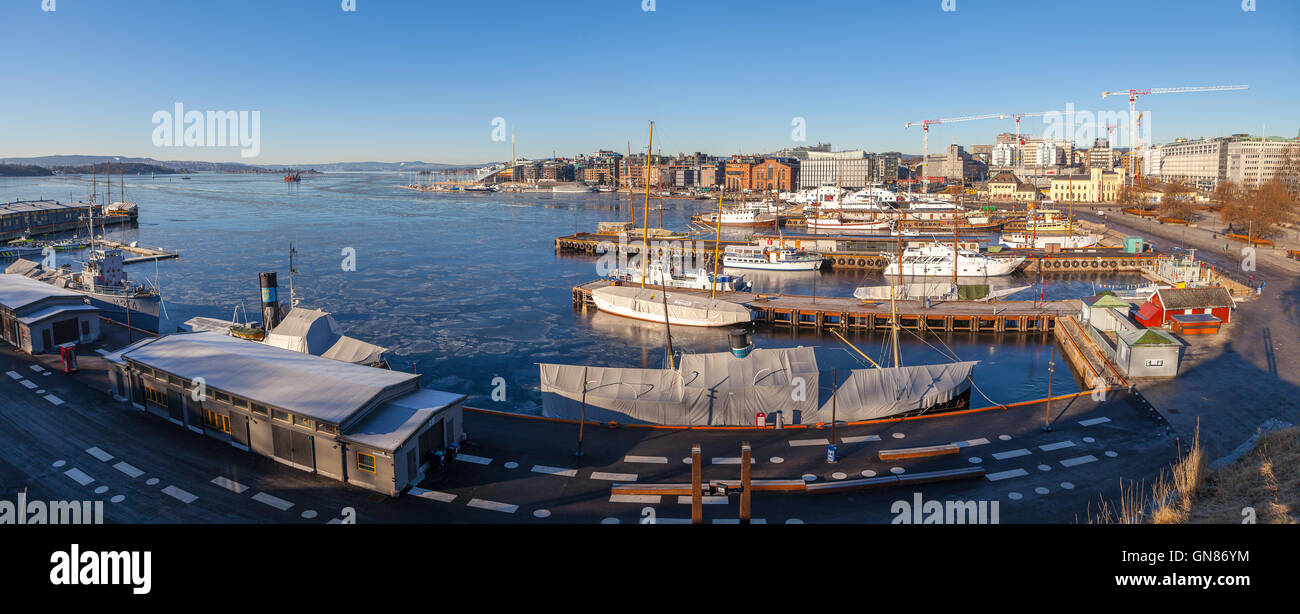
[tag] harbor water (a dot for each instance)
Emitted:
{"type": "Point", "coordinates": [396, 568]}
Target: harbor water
{"type": "Point", "coordinates": [468, 288]}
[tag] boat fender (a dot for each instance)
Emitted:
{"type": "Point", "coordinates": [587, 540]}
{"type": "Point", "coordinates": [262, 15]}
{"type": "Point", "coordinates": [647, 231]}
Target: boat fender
{"type": "Point", "coordinates": [862, 262]}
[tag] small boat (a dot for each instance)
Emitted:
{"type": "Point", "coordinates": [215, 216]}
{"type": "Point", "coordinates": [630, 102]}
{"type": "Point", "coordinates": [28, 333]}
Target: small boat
{"type": "Point", "coordinates": [293, 176]}
{"type": "Point", "coordinates": [743, 218]}
{"type": "Point", "coordinates": [250, 332]}
{"type": "Point", "coordinates": [698, 280]}
{"type": "Point", "coordinates": [1028, 239]}
{"type": "Point", "coordinates": [835, 224]}
{"type": "Point", "coordinates": [683, 309]}
{"type": "Point", "coordinates": [937, 261]}
{"type": "Point", "coordinates": [771, 258]}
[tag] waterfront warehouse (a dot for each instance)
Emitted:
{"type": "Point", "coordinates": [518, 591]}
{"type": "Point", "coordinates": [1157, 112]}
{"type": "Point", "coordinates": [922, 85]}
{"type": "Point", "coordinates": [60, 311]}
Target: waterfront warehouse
{"type": "Point", "coordinates": [37, 317]}
{"type": "Point", "coordinates": [365, 426]}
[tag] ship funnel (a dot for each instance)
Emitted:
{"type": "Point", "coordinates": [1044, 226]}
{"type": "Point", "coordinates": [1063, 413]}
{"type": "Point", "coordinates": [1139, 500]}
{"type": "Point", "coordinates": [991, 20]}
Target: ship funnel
{"type": "Point", "coordinates": [270, 300]}
{"type": "Point", "coordinates": [740, 343]}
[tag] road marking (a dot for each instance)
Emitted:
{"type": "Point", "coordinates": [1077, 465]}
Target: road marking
{"type": "Point", "coordinates": [230, 485]}
{"type": "Point", "coordinates": [1056, 446]}
{"type": "Point", "coordinates": [100, 454]}
{"type": "Point", "coordinates": [1002, 475]}
{"type": "Point", "coordinates": [272, 501]}
{"type": "Point", "coordinates": [613, 477]}
{"type": "Point", "coordinates": [706, 499]}
{"type": "Point", "coordinates": [737, 521]}
{"type": "Point", "coordinates": [126, 468]}
{"type": "Point", "coordinates": [470, 458]}
{"type": "Point", "coordinates": [809, 442]}
{"type": "Point", "coordinates": [1078, 460]}
{"type": "Point", "coordinates": [79, 476]}
{"type": "Point", "coordinates": [1092, 421]}
{"type": "Point", "coordinates": [1010, 454]}
{"type": "Point", "coordinates": [672, 521]}
{"type": "Point", "coordinates": [181, 495]}
{"type": "Point", "coordinates": [660, 460]}
{"type": "Point", "coordinates": [14, 374]}
{"type": "Point", "coordinates": [971, 442]}
{"type": "Point", "coordinates": [493, 506]}
{"type": "Point", "coordinates": [37, 368]}
{"type": "Point", "coordinates": [53, 399]}
{"type": "Point", "coordinates": [433, 495]}
{"type": "Point", "coordinates": [27, 384]}
{"type": "Point", "coordinates": [860, 438]}
{"type": "Point", "coordinates": [335, 521]}
{"type": "Point", "coordinates": [729, 460]}
{"type": "Point", "coordinates": [635, 499]}
{"type": "Point", "coordinates": [568, 473]}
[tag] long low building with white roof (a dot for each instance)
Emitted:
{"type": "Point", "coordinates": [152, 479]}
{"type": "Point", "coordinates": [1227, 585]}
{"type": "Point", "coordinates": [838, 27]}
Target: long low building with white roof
{"type": "Point", "coordinates": [37, 317]}
{"type": "Point", "coordinates": [370, 427]}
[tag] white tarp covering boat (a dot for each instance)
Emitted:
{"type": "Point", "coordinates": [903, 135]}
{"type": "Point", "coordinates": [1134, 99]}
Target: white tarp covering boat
{"type": "Point", "coordinates": [719, 389]}
{"type": "Point", "coordinates": [683, 309]}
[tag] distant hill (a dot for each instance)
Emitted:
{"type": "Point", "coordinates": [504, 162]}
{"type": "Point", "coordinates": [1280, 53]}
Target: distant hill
{"type": "Point", "coordinates": [23, 170]}
{"type": "Point", "coordinates": [118, 168]}
{"type": "Point", "coordinates": [194, 166]}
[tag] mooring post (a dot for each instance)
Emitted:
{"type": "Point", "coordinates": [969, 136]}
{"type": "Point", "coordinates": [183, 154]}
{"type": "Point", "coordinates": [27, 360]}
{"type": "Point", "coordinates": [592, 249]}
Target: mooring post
{"type": "Point", "coordinates": [744, 482]}
{"type": "Point", "coordinates": [697, 501]}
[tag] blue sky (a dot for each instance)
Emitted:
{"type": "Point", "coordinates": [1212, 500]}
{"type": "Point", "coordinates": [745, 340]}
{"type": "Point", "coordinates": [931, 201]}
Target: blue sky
{"type": "Point", "coordinates": [403, 80]}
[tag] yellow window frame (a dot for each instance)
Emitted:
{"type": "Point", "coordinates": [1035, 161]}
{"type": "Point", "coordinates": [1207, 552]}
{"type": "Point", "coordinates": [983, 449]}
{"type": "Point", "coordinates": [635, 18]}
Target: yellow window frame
{"type": "Point", "coordinates": [360, 467]}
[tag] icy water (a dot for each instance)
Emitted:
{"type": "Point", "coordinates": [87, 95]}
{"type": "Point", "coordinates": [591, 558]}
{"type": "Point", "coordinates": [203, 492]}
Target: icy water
{"type": "Point", "coordinates": [467, 287]}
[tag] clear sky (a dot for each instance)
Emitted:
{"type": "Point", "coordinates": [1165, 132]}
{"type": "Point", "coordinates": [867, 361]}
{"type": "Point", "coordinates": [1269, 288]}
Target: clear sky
{"type": "Point", "coordinates": [406, 80]}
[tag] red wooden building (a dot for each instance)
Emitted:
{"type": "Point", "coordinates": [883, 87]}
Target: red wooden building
{"type": "Point", "coordinates": [1167, 302]}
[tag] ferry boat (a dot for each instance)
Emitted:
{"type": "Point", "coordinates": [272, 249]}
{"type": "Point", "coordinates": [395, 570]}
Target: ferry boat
{"type": "Point", "coordinates": [743, 218]}
{"type": "Point", "coordinates": [1028, 239]}
{"type": "Point", "coordinates": [770, 258]}
{"type": "Point", "coordinates": [293, 176]}
{"type": "Point", "coordinates": [937, 261]}
{"type": "Point", "coordinates": [698, 280]}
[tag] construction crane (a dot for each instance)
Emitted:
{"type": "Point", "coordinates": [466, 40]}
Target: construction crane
{"type": "Point", "coordinates": [1133, 96]}
{"type": "Point", "coordinates": [1020, 115]}
{"type": "Point", "coordinates": [925, 137]}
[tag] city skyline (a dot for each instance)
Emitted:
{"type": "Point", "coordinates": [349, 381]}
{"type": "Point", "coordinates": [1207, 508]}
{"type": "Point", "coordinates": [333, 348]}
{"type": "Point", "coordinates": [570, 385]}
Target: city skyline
{"type": "Point", "coordinates": [417, 82]}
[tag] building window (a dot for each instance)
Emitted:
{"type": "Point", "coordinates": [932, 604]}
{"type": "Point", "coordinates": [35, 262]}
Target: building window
{"type": "Point", "coordinates": [221, 396]}
{"type": "Point", "coordinates": [157, 397]}
{"type": "Point", "coordinates": [327, 428]}
{"type": "Point", "coordinates": [366, 462]}
{"type": "Point", "coordinates": [282, 416]}
{"type": "Point", "coordinates": [217, 421]}
{"type": "Point", "coordinates": [172, 379]}
{"type": "Point", "coordinates": [303, 422]}
{"type": "Point", "coordinates": [1157, 362]}
{"type": "Point", "coordinates": [242, 404]}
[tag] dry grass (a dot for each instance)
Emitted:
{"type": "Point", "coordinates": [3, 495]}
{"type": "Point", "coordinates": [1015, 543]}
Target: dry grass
{"type": "Point", "coordinates": [1267, 479]}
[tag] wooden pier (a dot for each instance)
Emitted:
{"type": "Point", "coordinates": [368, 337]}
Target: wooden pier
{"type": "Point", "coordinates": [145, 254]}
{"type": "Point", "coordinates": [818, 314]}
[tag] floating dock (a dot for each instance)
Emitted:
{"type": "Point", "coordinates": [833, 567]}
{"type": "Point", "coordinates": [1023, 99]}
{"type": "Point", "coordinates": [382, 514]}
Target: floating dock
{"type": "Point", "coordinates": [820, 313]}
{"type": "Point", "coordinates": [145, 254]}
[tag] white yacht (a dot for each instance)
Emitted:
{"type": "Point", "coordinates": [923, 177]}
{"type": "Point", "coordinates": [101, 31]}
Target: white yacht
{"type": "Point", "coordinates": [1029, 239]}
{"type": "Point", "coordinates": [937, 261]}
{"type": "Point", "coordinates": [697, 280]}
{"type": "Point", "coordinates": [821, 223]}
{"type": "Point", "coordinates": [742, 218]}
{"type": "Point", "coordinates": [649, 304]}
{"type": "Point", "coordinates": [770, 259]}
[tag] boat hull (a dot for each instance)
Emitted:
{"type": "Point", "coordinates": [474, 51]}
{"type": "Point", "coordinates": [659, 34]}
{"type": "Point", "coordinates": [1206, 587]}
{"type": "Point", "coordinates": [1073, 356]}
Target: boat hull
{"type": "Point", "coordinates": [650, 310]}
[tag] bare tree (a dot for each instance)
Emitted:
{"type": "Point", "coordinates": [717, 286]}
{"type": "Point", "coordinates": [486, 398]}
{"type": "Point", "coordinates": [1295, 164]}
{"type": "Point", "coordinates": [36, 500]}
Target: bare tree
{"type": "Point", "coordinates": [1176, 201]}
{"type": "Point", "coordinates": [1262, 208]}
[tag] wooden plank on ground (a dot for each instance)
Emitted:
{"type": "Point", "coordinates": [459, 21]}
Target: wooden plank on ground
{"type": "Point", "coordinates": [919, 452]}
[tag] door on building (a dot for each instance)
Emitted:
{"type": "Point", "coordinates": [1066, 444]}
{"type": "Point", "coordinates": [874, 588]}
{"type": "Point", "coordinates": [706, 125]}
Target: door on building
{"type": "Point", "coordinates": [412, 464]}
{"type": "Point", "coordinates": [47, 340]}
{"type": "Point", "coordinates": [293, 446]}
{"type": "Point", "coordinates": [65, 332]}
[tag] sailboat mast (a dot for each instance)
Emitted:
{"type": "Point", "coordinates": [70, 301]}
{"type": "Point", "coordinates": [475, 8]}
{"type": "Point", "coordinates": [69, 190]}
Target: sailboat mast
{"type": "Point", "coordinates": [893, 309]}
{"type": "Point", "coordinates": [955, 204]}
{"type": "Point", "coordinates": [717, 238]}
{"type": "Point", "coordinates": [631, 204]}
{"type": "Point", "coordinates": [645, 214]}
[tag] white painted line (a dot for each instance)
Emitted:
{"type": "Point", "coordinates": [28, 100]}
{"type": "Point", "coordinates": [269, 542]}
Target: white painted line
{"type": "Point", "coordinates": [272, 501]}
{"type": "Point", "coordinates": [568, 473]}
{"type": "Point", "coordinates": [860, 438]}
{"type": "Point", "coordinates": [613, 477]}
{"type": "Point", "coordinates": [79, 476]}
{"type": "Point", "coordinates": [470, 458]}
{"type": "Point", "coordinates": [53, 399]}
{"type": "Point", "coordinates": [27, 384]}
{"type": "Point", "coordinates": [1056, 446]}
{"type": "Point", "coordinates": [1078, 460]}
{"type": "Point", "coordinates": [706, 499]}
{"type": "Point", "coordinates": [126, 468]}
{"type": "Point", "coordinates": [971, 442]}
{"type": "Point", "coordinates": [1092, 421]}
{"type": "Point", "coordinates": [672, 521]}
{"type": "Point", "coordinates": [1002, 475]}
{"type": "Point", "coordinates": [659, 460]}
{"type": "Point", "coordinates": [100, 454]}
{"type": "Point", "coordinates": [14, 374]}
{"type": "Point", "coordinates": [808, 442]}
{"type": "Point", "coordinates": [737, 521]}
{"type": "Point", "coordinates": [729, 460]}
{"type": "Point", "coordinates": [181, 495]}
{"type": "Point", "coordinates": [37, 368]}
{"type": "Point", "coordinates": [433, 495]}
{"type": "Point", "coordinates": [493, 505]}
{"type": "Point", "coordinates": [335, 521]}
{"type": "Point", "coordinates": [1010, 454]}
{"type": "Point", "coordinates": [230, 485]}
{"type": "Point", "coordinates": [635, 499]}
